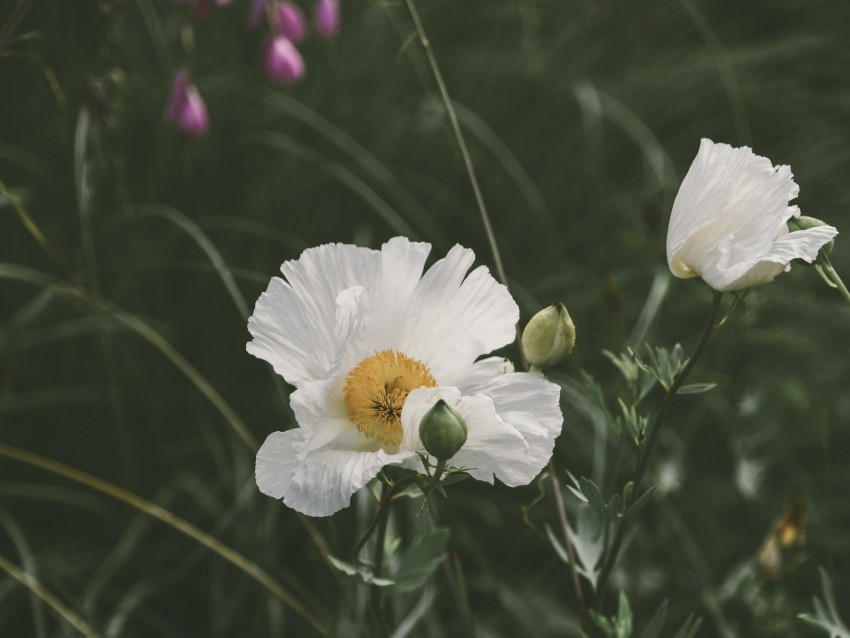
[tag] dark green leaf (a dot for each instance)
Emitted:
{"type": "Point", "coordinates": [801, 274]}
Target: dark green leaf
{"type": "Point", "coordinates": [421, 559]}
{"type": "Point", "coordinates": [361, 574]}
{"type": "Point", "coordinates": [656, 624]}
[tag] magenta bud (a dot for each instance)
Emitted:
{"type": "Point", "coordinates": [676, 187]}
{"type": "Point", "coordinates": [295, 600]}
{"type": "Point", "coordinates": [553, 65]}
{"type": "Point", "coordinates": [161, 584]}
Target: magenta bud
{"type": "Point", "coordinates": [326, 18]}
{"type": "Point", "coordinates": [282, 61]}
{"type": "Point", "coordinates": [290, 22]}
{"type": "Point", "coordinates": [186, 109]}
{"type": "Point", "coordinates": [256, 13]}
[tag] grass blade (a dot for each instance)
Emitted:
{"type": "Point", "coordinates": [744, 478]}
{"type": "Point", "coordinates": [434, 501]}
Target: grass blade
{"type": "Point", "coordinates": [171, 519]}
{"type": "Point", "coordinates": [28, 581]}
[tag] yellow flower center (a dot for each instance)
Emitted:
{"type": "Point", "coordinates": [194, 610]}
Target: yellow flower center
{"type": "Point", "coordinates": [375, 391]}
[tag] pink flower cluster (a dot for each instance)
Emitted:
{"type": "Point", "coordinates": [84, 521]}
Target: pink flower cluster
{"type": "Point", "coordinates": [281, 61]}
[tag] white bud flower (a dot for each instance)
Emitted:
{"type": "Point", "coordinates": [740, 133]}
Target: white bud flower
{"type": "Point", "coordinates": [728, 223]}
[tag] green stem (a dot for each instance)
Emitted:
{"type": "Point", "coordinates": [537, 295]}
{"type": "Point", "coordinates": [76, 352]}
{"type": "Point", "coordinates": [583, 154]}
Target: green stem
{"type": "Point", "coordinates": [567, 534]}
{"type": "Point", "coordinates": [458, 135]}
{"type": "Point", "coordinates": [830, 271]}
{"type": "Point", "coordinates": [383, 510]}
{"type": "Point", "coordinates": [435, 477]}
{"type": "Point", "coordinates": [383, 519]}
{"type": "Point", "coordinates": [643, 463]}
{"type": "Point", "coordinates": [380, 541]}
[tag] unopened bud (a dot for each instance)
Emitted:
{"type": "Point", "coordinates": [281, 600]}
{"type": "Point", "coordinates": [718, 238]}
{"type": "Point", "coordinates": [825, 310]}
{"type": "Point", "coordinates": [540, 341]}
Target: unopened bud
{"type": "Point", "coordinates": [291, 23]}
{"type": "Point", "coordinates": [186, 109]}
{"type": "Point", "coordinates": [804, 223]}
{"type": "Point", "coordinates": [326, 18]}
{"type": "Point", "coordinates": [549, 337]}
{"type": "Point", "coordinates": [283, 63]}
{"type": "Point", "coordinates": [442, 431]}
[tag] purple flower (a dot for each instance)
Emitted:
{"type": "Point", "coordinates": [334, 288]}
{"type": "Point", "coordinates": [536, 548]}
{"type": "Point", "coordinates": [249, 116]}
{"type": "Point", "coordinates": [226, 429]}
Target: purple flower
{"type": "Point", "coordinates": [282, 62]}
{"type": "Point", "coordinates": [290, 22]}
{"type": "Point", "coordinates": [186, 109]}
{"type": "Point", "coordinates": [326, 18]}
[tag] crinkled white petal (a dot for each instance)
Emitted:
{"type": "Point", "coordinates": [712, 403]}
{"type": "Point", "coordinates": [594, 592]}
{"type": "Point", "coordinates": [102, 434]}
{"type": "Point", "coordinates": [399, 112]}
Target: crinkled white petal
{"type": "Point", "coordinates": [799, 244]}
{"type": "Point", "coordinates": [729, 213]}
{"type": "Point", "coordinates": [320, 411]}
{"type": "Point", "coordinates": [294, 324]}
{"type": "Point", "coordinates": [491, 445]}
{"type": "Point", "coordinates": [321, 482]}
{"type": "Point", "coordinates": [529, 403]}
{"type": "Point", "coordinates": [452, 319]}
{"type": "Point", "coordinates": [482, 371]}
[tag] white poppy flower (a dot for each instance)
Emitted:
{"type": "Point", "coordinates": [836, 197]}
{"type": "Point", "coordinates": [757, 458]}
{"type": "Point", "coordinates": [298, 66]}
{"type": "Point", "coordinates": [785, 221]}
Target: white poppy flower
{"type": "Point", "coordinates": [728, 223]}
{"type": "Point", "coordinates": [370, 343]}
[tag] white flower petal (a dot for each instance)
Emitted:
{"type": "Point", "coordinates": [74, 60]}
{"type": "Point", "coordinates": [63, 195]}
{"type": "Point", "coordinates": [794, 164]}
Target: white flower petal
{"type": "Point", "coordinates": [729, 214]}
{"type": "Point", "coordinates": [530, 404]}
{"type": "Point", "coordinates": [319, 483]}
{"type": "Point", "coordinates": [800, 244]}
{"type": "Point", "coordinates": [387, 300]}
{"type": "Point", "coordinates": [320, 411]}
{"type": "Point", "coordinates": [294, 324]}
{"type": "Point", "coordinates": [451, 321]}
{"type": "Point", "coordinates": [483, 371]}
{"type": "Point", "coordinates": [491, 444]}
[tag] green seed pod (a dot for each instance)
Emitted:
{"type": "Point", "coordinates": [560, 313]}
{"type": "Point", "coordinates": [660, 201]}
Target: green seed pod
{"type": "Point", "coordinates": [804, 223]}
{"type": "Point", "coordinates": [549, 337]}
{"type": "Point", "coordinates": [442, 431]}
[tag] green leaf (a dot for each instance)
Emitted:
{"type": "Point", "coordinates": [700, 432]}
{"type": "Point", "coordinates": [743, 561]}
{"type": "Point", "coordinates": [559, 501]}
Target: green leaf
{"type": "Point", "coordinates": [454, 477]}
{"type": "Point", "coordinates": [556, 545]}
{"type": "Point", "coordinates": [826, 611]}
{"type": "Point", "coordinates": [361, 574]}
{"type": "Point", "coordinates": [421, 559]}
{"type": "Point", "coordinates": [624, 617]}
{"type": "Point", "coordinates": [696, 388]}
{"type": "Point", "coordinates": [654, 626]}
{"type": "Point", "coordinates": [690, 628]}
{"type": "Point", "coordinates": [619, 626]}
{"type": "Point", "coordinates": [640, 502]}
{"type": "Point", "coordinates": [593, 495]}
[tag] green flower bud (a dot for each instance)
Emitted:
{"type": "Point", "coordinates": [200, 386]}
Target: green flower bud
{"type": "Point", "coordinates": [442, 431]}
{"type": "Point", "coordinates": [549, 337]}
{"type": "Point", "coordinates": [804, 223]}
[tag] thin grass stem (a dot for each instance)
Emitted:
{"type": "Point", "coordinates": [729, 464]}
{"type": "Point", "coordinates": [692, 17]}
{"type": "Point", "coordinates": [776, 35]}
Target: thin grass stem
{"type": "Point", "coordinates": [171, 519]}
{"type": "Point", "coordinates": [30, 582]}
{"type": "Point", "coordinates": [461, 144]}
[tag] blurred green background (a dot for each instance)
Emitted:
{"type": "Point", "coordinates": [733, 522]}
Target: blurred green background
{"type": "Point", "coordinates": [582, 117]}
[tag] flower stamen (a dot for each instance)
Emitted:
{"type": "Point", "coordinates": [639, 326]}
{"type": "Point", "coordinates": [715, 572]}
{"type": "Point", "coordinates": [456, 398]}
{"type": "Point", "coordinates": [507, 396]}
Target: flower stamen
{"type": "Point", "coordinates": [376, 389]}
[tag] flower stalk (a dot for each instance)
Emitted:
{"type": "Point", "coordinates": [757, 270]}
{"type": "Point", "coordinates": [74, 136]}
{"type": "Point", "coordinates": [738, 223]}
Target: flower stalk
{"type": "Point", "coordinates": [831, 276]}
{"type": "Point", "coordinates": [657, 422]}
